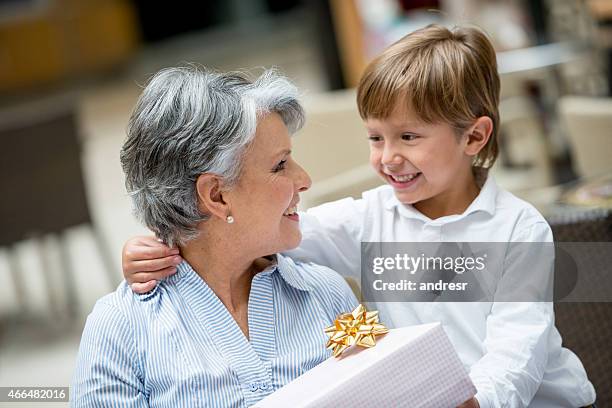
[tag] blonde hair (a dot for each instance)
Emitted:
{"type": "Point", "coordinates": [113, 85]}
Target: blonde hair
{"type": "Point", "coordinates": [444, 76]}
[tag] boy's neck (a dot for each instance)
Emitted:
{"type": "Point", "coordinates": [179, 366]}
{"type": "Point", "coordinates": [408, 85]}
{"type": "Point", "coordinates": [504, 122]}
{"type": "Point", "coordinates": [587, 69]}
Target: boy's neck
{"type": "Point", "coordinates": [451, 202]}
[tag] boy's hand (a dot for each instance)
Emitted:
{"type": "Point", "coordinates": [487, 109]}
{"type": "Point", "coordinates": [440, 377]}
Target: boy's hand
{"type": "Point", "coordinates": [471, 403]}
{"type": "Point", "coordinates": [145, 261]}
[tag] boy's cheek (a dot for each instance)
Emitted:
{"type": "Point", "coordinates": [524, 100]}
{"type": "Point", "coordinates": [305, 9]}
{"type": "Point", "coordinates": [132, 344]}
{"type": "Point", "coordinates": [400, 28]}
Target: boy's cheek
{"type": "Point", "coordinates": [375, 161]}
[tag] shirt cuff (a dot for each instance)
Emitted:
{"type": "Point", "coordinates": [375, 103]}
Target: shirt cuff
{"type": "Point", "coordinates": [483, 401]}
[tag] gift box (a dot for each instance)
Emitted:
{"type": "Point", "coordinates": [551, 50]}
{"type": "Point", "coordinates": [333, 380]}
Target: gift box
{"type": "Point", "coordinates": [409, 367]}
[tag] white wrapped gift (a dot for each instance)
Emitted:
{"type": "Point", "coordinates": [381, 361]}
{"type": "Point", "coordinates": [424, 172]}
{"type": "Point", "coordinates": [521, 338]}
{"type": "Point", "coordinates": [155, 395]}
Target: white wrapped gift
{"type": "Point", "coordinates": [409, 367]}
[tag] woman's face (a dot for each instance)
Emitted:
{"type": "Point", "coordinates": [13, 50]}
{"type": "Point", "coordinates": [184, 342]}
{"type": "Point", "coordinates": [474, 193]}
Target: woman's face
{"type": "Point", "coordinates": [264, 201]}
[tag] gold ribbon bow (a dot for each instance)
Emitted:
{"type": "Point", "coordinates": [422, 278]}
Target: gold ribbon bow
{"type": "Point", "coordinates": [358, 327]}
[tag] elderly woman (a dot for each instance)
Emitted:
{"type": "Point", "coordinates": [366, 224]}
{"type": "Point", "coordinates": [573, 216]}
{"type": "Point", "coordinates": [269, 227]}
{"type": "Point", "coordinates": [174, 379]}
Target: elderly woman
{"type": "Point", "coordinates": [208, 164]}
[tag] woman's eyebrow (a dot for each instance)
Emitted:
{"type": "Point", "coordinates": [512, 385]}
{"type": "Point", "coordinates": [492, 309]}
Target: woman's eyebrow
{"type": "Point", "coordinates": [284, 152]}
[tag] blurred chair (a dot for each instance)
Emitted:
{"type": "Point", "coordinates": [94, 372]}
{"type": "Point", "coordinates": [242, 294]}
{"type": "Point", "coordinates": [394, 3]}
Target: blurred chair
{"type": "Point", "coordinates": [43, 194]}
{"type": "Point", "coordinates": [586, 328]}
{"type": "Point", "coordinates": [524, 161]}
{"type": "Point", "coordinates": [333, 148]}
{"type": "Point", "coordinates": [589, 128]}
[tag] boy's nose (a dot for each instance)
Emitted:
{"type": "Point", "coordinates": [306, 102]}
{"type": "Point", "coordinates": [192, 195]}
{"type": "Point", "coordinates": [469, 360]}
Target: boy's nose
{"type": "Point", "coordinates": [390, 157]}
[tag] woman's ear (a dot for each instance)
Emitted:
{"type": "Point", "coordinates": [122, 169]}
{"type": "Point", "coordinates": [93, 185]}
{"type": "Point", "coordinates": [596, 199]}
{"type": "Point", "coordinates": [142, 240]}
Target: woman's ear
{"type": "Point", "coordinates": [210, 196]}
{"type": "Point", "coordinates": [478, 135]}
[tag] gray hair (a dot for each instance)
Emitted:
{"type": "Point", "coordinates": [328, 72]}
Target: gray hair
{"type": "Point", "coordinates": [189, 121]}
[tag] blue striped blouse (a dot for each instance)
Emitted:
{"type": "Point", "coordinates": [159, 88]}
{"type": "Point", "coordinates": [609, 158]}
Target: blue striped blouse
{"type": "Point", "coordinates": [179, 346]}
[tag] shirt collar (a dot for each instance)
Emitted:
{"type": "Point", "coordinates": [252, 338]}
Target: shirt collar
{"type": "Point", "coordinates": [289, 272]}
{"type": "Point", "coordinates": [285, 267]}
{"type": "Point", "coordinates": [484, 201]}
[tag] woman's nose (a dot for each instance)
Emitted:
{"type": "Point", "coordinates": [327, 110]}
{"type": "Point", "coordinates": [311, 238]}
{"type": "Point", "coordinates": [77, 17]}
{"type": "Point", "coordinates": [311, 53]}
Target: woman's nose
{"type": "Point", "coordinates": [303, 181]}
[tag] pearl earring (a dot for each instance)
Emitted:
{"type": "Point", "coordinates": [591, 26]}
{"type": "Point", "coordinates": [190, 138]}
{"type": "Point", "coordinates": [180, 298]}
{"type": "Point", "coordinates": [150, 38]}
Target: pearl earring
{"type": "Point", "coordinates": [229, 219]}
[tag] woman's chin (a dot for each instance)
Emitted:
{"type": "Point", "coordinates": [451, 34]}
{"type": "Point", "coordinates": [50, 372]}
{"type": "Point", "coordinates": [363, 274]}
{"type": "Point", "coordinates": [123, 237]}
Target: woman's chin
{"type": "Point", "coordinates": [292, 241]}
{"type": "Point", "coordinates": [282, 244]}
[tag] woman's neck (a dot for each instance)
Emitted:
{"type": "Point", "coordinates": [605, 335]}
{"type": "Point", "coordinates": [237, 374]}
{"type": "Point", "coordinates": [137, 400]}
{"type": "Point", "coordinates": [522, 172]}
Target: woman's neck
{"type": "Point", "coordinates": [224, 268]}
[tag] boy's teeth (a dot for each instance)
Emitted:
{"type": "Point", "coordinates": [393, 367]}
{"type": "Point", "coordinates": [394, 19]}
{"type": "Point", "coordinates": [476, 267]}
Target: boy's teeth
{"type": "Point", "coordinates": [406, 177]}
{"type": "Point", "coordinates": [291, 211]}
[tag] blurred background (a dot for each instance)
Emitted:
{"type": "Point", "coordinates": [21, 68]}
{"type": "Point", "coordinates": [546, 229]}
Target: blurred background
{"type": "Point", "coordinates": [70, 73]}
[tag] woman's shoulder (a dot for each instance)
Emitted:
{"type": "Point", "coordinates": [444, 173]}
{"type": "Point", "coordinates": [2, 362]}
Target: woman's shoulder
{"type": "Point", "coordinates": [123, 305]}
{"type": "Point", "coordinates": [324, 282]}
{"type": "Point", "coordinates": [312, 275]}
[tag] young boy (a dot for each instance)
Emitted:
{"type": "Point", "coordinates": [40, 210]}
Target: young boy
{"type": "Point", "coordinates": [430, 106]}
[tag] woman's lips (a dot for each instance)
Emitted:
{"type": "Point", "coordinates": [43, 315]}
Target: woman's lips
{"type": "Point", "coordinates": [407, 180]}
{"type": "Point", "coordinates": [293, 217]}
{"type": "Point", "coordinates": [292, 213]}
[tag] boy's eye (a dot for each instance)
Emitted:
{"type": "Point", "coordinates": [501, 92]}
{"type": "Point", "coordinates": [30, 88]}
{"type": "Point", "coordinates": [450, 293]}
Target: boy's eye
{"type": "Point", "coordinates": [374, 138]}
{"type": "Point", "coordinates": [280, 166]}
{"type": "Point", "coordinates": [409, 137]}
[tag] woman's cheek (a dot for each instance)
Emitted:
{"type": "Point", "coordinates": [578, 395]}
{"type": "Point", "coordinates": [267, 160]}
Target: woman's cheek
{"type": "Point", "coordinates": [284, 191]}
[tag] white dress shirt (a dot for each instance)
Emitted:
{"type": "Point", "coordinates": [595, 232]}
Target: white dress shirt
{"type": "Point", "coordinates": [512, 350]}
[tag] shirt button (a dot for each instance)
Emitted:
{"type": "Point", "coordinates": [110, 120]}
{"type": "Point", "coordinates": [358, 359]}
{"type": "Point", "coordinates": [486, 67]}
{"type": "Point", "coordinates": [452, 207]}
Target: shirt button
{"type": "Point", "coordinates": [253, 387]}
{"type": "Point", "coordinates": [263, 386]}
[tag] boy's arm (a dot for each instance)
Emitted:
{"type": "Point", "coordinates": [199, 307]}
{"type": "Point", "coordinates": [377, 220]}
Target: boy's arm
{"type": "Point", "coordinates": [331, 236]}
{"type": "Point", "coordinates": [517, 348]}
{"type": "Point", "coordinates": [106, 371]}
{"type": "Point", "coordinates": [517, 338]}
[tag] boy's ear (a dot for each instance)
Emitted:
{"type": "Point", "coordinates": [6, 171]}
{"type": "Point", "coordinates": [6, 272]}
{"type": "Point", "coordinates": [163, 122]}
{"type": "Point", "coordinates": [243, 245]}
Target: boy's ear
{"type": "Point", "coordinates": [210, 196]}
{"type": "Point", "coordinates": [478, 135]}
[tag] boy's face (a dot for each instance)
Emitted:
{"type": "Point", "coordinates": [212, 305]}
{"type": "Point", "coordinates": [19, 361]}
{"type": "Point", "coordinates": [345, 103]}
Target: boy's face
{"type": "Point", "coordinates": [420, 161]}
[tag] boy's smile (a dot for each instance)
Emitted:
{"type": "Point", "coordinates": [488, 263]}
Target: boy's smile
{"type": "Point", "coordinates": [402, 181]}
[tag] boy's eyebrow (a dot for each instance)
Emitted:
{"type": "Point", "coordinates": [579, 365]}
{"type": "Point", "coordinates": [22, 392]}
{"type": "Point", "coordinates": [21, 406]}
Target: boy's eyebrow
{"type": "Point", "coordinates": [403, 129]}
{"type": "Point", "coordinates": [406, 124]}
{"type": "Point", "coordinates": [371, 129]}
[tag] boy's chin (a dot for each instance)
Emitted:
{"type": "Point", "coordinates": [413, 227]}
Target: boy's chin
{"type": "Point", "coordinates": [406, 199]}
